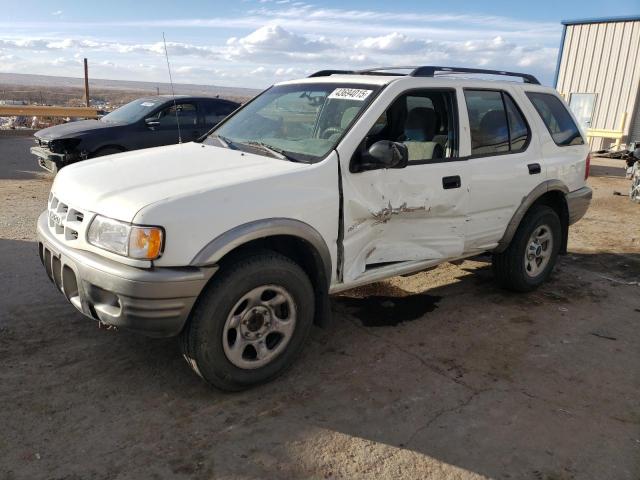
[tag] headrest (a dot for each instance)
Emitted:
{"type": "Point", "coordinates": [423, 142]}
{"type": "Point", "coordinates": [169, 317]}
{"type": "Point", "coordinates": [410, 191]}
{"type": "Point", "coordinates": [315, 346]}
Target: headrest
{"type": "Point", "coordinates": [423, 120]}
{"type": "Point", "coordinates": [493, 125]}
{"type": "Point", "coordinates": [348, 115]}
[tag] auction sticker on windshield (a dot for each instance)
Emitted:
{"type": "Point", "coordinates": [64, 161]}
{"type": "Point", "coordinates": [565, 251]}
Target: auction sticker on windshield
{"type": "Point", "coordinates": [350, 93]}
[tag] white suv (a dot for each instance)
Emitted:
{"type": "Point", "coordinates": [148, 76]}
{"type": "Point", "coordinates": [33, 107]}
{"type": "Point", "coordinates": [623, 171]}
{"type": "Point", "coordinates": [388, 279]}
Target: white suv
{"type": "Point", "coordinates": [234, 242]}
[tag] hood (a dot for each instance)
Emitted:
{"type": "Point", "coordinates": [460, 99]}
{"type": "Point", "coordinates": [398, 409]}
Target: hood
{"type": "Point", "coordinates": [66, 130]}
{"type": "Point", "coordinates": [118, 186]}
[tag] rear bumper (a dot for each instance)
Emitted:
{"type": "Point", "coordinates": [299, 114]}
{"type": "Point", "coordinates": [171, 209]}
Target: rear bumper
{"type": "Point", "coordinates": [578, 203]}
{"type": "Point", "coordinates": [155, 302]}
{"type": "Point", "coordinates": [48, 160]}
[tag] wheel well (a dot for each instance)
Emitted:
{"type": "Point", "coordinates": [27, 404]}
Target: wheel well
{"type": "Point", "coordinates": [301, 252]}
{"type": "Point", "coordinates": [556, 200]}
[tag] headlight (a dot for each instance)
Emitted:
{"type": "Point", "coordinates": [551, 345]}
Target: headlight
{"type": "Point", "coordinates": [64, 145]}
{"type": "Point", "coordinates": [133, 241]}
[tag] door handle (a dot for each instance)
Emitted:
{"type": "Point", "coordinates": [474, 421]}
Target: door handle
{"type": "Point", "coordinates": [534, 168]}
{"type": "Point", "coordinates": [451, 182]}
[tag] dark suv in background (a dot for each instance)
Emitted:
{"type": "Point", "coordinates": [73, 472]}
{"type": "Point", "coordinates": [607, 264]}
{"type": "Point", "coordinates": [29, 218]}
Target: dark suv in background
{"type": "Point", "coordinates": [143, 123]}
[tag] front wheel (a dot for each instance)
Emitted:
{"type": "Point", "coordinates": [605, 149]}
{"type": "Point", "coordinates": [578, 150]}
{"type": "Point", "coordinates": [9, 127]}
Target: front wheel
{"type": "Point", "coordinates": [250, 322]}
{"type": "Point", "coordinates": [532, 253]}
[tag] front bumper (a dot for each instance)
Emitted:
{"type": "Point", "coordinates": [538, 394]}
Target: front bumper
{"type": "Point", "coordinates": [155, 302]}
{"type": "Point", "coordinates": [52, 162]}
{"type": "Point", "coordinates": [578, 203]}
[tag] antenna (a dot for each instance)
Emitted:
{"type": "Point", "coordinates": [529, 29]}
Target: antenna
{"type": "Point", "coordinates": [166, 54]}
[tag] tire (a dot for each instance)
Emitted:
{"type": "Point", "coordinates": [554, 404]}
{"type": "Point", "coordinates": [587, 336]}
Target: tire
{"type": "Point", "coordinates": [263, 280]}
{"type": "Point", "coordinates": [106, 151]}
{"type": "Point", "coordinates": [521, 267]}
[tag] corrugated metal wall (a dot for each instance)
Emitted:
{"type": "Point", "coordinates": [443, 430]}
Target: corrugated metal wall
{"type": "Point", "coordinates": [634, 126]}
{"type": "Point", "coordinates": [603, 58]}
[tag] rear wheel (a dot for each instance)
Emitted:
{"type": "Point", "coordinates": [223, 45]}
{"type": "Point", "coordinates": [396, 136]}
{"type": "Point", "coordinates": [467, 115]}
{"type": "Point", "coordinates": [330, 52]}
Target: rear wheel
{"type": "Point", "coordinates": [250, 323]}
{"type": "Point", "coordinates": [532, 253]}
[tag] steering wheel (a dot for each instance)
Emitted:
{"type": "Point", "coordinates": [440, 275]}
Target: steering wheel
{"type": "Point", "coordinates": [327, 132]}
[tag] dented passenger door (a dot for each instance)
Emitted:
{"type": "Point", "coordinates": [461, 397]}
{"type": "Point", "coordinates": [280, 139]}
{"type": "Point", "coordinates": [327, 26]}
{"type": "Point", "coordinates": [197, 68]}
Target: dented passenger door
{"type": "Point", "coordinates": [415, 213]}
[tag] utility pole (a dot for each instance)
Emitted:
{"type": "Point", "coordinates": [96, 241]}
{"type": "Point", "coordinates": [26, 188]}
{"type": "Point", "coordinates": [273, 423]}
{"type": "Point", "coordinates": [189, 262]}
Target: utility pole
{"type": "Point", "coordinates": [86, 82]}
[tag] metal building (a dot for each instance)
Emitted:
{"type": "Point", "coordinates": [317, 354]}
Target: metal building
{"type": "Point", "coordinates": [598, 72]}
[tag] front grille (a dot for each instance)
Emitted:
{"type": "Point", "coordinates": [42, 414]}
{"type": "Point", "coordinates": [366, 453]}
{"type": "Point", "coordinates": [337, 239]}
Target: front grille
{"type": "Point", "coordinates": [66, 222]}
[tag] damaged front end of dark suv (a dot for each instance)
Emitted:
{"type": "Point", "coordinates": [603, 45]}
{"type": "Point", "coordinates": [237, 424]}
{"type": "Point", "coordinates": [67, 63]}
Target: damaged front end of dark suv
{"type": "Point", "coordinates": [54, 154]}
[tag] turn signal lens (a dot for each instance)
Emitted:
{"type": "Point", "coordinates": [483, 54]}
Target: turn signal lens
{"type": "Point", "coordinates": [145, 242]}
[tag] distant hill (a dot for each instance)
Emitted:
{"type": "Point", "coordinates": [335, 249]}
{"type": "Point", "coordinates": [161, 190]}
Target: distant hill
{"type": "Point", "coordinates": [45, 81]}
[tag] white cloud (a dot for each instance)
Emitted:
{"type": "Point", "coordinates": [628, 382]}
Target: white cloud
{"type": "Point", "coordinates": [393, 42]}
{"type": "Point", "coordinates": [57, 13]}
{"type": "Point", "coordinates": [274, 38]}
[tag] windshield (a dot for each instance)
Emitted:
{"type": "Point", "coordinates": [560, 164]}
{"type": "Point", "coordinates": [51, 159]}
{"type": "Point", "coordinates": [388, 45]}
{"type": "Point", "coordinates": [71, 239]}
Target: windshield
{"type": "Point", "coordinates": [132, 112]}
{"type": "Point", "coordinates": [299, 122]}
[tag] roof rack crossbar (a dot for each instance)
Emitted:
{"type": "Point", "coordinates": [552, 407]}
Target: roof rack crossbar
{"type": "Point", "coordinates": [430, 71]}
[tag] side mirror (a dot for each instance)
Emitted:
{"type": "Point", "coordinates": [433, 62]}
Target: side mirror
{"type": "Point", "coordinates": [151, 122]}
{"type": "Point", "coordinates": [384, 154]}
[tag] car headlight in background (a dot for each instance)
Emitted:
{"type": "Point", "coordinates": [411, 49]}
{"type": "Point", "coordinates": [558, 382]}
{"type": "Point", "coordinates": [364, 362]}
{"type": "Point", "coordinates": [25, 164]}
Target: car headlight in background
{"type": "Point", "coordinates": [133, 241]}
{"type": "Point", "coordinates": [64, 145]}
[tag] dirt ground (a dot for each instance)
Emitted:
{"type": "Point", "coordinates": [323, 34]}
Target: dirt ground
{"type": "Point", "coordinates": [439, 375]}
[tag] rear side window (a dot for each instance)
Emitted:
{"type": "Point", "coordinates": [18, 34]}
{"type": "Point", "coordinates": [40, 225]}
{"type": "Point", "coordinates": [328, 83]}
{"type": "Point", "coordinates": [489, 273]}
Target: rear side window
{"type": "Point", "coordinates": [215, 112]}
{"type": "Point", "coordinates": [518, 129]}
{"type": "Point", "coordinates": [555, 116]}
{"type": "Point", "coordinates": [497, 125]}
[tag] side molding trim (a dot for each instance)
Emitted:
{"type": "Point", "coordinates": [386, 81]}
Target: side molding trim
{"type": "Point", "coordinates": [530, 199]}
{"type": "Point", "coordinates": [237, 236]}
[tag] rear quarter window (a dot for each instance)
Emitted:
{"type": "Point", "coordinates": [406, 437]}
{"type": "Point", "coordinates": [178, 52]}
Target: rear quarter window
{"type": "Point", "coordinates": [557, 119]}
{"type": "Point", "coordinates": [216, 111]}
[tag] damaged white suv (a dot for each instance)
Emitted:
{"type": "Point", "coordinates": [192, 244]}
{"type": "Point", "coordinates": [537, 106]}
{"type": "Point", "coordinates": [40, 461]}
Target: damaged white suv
{"type": "Point", "coordinates": [234, 242]}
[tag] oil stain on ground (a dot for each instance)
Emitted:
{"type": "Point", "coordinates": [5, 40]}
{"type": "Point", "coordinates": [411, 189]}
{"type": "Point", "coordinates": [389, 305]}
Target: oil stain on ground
{"type": "Point", "coordinates": [386, 311]}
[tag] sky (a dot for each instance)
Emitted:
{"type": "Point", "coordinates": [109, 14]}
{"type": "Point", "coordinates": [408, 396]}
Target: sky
{"type": "Point", "coordinates": [254, 43]}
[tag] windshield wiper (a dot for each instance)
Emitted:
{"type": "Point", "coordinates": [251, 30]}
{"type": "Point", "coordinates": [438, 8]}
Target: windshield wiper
{"type": "Point", "coordinates": [226, 143]}
{"type": "Point", "coordinates": [236, 145]}
{"type": "Point", "coordinates": [268, 148]}
{"type": "Point", "coordinates": [276, 152]}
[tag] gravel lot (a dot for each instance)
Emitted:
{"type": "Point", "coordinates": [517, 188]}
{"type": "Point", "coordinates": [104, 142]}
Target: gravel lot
{"type": "Point", "coordinates": [439, 375]}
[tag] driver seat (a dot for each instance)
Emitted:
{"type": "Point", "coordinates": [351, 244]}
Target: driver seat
{"type": "Point", "coordinates": [419, 131]}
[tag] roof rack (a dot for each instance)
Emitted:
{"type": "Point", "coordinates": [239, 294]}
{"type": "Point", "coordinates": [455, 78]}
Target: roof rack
{"type": "Point", "coordinates": [326, 73]}
{"type": "Point", "coordinates": [428, 71]}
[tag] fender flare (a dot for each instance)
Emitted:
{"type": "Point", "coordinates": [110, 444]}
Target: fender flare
{"type": "Point", "coordinates": [215, 250]}
{"type": "Point", "coordinates": [527, 201]}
